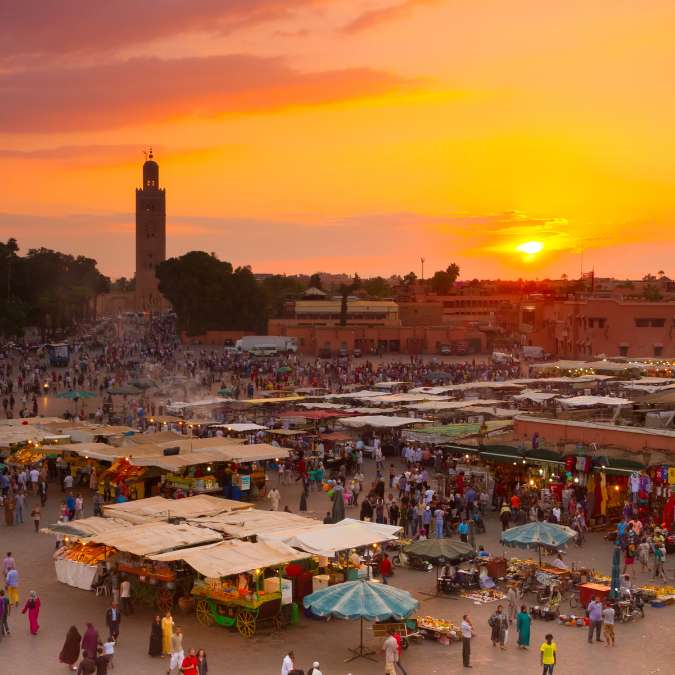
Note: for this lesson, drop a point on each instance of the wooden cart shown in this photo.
(241, 613)
(156, 589)
(407, 629)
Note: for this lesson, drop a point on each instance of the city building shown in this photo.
(593, 326)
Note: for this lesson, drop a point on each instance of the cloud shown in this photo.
(150, 90)
(60, 27)
(375, 17)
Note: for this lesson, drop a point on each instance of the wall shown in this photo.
(215, 338)
(628, 438)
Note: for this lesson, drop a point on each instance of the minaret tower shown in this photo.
(150, 237)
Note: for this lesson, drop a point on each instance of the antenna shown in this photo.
(422, 261)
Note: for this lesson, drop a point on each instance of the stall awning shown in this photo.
(380, 421)
(584, 401)
(327, 540)
(252, 522)
(257, 452)
(160, 508)
(233, 557)
(239, 427)
(86, 527)
(153, 538)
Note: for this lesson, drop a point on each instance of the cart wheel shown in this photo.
(245, 623)
(405, 643)
(204, 615)
(164, 599)
(396, 560)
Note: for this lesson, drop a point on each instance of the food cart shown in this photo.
(154, 583)
(242, 585)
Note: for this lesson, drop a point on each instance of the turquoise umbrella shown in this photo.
(361, 600)
(538, 535)
(74, 394)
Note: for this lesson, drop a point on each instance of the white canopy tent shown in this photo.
(380, 421)
(587, 401)
(327, 540)
(535, 396)
(233, 557)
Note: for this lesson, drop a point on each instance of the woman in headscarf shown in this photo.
(338, 512)
(90, 641)
(155, 648)
(71, 648)
(167, 632)
(32, 606)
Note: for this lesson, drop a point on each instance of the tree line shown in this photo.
(46, 289)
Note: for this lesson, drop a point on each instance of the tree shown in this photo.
(345, 291)
(208, 294)
(278, 289)
(376, 287)
(410, 279)
(123, 285)
(443, 281)
(315, 281)
(652, 293)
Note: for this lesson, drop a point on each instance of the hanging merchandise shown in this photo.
(671, 475)
(634, 482)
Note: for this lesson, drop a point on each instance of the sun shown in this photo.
(530, 247)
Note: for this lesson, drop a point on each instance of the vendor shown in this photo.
(559, 562)
(482, 553)
(355, 559)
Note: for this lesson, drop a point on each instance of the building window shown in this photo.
(650, 323)
(658, 350)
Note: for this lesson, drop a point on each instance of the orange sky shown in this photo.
(346, 135)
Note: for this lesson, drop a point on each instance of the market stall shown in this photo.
(242, 584)
(153, 582)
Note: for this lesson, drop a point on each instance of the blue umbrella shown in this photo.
(361, 599)
(538, 535)
(616, 573)
(74, 394)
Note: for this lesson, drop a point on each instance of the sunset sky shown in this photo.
(346, 135)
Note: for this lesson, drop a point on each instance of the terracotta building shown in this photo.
(592, 326)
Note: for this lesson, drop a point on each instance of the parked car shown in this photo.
(356, 352)
(445, 350)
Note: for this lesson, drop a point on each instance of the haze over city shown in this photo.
(312, 135)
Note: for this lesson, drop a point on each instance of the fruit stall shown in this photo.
(241, 584)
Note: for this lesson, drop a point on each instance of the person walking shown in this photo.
(499, 623)
(512, 597)
(12, 586)
(36, 515)
(288, 663)
(390, 649)
(177, 653)
(189, 664)
(125, 597)
(70, 652)
(32, 606)
(595, 617)
(275, 497)
(90, 641)
(202, 663)
(608, 615)
(155, 646)
(4, 614)
(549, 655)
(19, 507)
(385, 568)
(467, 634)
(167, 632)
(523, 623)
(113, 618)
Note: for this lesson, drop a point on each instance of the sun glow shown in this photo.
(530, 247)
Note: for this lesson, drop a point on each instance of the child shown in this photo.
(548, 651)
